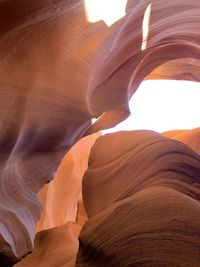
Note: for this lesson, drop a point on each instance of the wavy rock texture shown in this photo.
(55, 247)
(63, 214)
(189, 137)
(142, 201)
(57, 71)
(66, 235)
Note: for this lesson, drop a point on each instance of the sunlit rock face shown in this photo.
(58, 71)
(61, 197)
(142, 200)
(189, 137)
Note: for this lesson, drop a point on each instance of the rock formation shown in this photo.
(57, 72)
(142, 201)
(54, 247)
(66, 234)
(189, 137)
(61, 197)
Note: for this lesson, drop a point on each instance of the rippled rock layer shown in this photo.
(58, 71)
(143, 203)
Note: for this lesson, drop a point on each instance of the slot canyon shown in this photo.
(70, 195)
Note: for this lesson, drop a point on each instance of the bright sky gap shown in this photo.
(109, 11)
(161, 105)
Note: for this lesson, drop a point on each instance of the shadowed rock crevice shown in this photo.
(7, 257)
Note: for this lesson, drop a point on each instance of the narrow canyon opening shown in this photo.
(163, 105)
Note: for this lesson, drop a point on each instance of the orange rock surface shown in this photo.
(189, 137)
(57, 72)
(54, 247)
(60, 198)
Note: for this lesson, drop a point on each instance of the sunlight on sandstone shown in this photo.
(109, 11)
(145, 27)
(93, 120)
(160, 106)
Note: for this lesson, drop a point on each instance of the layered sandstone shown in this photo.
(189, 137)
(142, 201)
(57, 72)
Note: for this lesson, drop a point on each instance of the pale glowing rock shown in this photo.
(60, 198)
(145, 27)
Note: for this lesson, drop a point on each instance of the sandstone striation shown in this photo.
(63, 214)
(57, 72)
(142, 201)
(189, 137)
(54, 247)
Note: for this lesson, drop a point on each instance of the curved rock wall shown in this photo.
(142, 201)
(62, 241)
(61, 197)
(54, 247)
(189, 137)
(58, 71)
